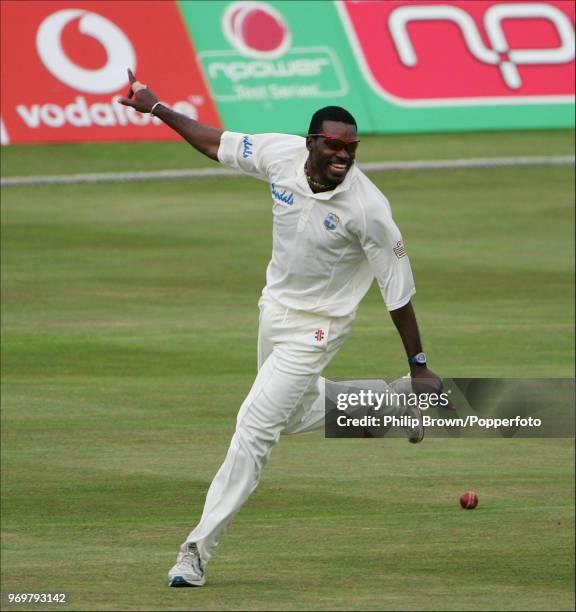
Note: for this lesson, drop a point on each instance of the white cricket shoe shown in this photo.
(188, 571)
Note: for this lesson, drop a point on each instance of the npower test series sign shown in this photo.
(64, 65)
(263, 63)
(269, 65)
(399, 66)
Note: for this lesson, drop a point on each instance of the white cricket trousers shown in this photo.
(286, 397)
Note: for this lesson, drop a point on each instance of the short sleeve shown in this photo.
(384, 249)
(252, 154)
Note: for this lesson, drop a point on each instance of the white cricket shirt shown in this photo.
(327, 247)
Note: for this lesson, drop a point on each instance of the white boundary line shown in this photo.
(203, 173)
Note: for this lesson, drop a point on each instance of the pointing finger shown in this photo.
(131, 78)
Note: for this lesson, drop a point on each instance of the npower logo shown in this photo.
(501, 54)
(465, 50)
(256, 30)
(119, 51)
(261, 61)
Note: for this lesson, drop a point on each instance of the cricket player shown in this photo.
(333, 233)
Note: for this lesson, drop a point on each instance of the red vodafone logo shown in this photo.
(430, 53)
(256, 29)
(117, 46)
(64, 64)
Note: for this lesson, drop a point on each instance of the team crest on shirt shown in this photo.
(331, 221)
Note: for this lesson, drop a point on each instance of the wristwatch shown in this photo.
(419, 359)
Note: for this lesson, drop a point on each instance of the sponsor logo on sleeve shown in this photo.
(246, 147)
(284, 196)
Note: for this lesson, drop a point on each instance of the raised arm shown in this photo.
(203, 138)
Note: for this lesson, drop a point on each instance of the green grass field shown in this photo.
(129, 326)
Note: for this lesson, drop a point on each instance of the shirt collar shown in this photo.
(322, 195)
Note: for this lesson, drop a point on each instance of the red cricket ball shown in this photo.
(469, 500)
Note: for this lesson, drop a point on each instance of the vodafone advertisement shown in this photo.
(266, 65)
(64, 64)
(463, 51)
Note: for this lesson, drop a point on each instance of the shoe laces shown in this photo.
(191, 558)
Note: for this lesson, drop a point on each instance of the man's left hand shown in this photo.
(424, 380)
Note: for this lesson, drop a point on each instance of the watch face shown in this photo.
(420, 358)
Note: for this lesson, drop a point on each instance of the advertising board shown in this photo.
(270, 65)
(267, 65)
(463, 65)
(64, 64)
